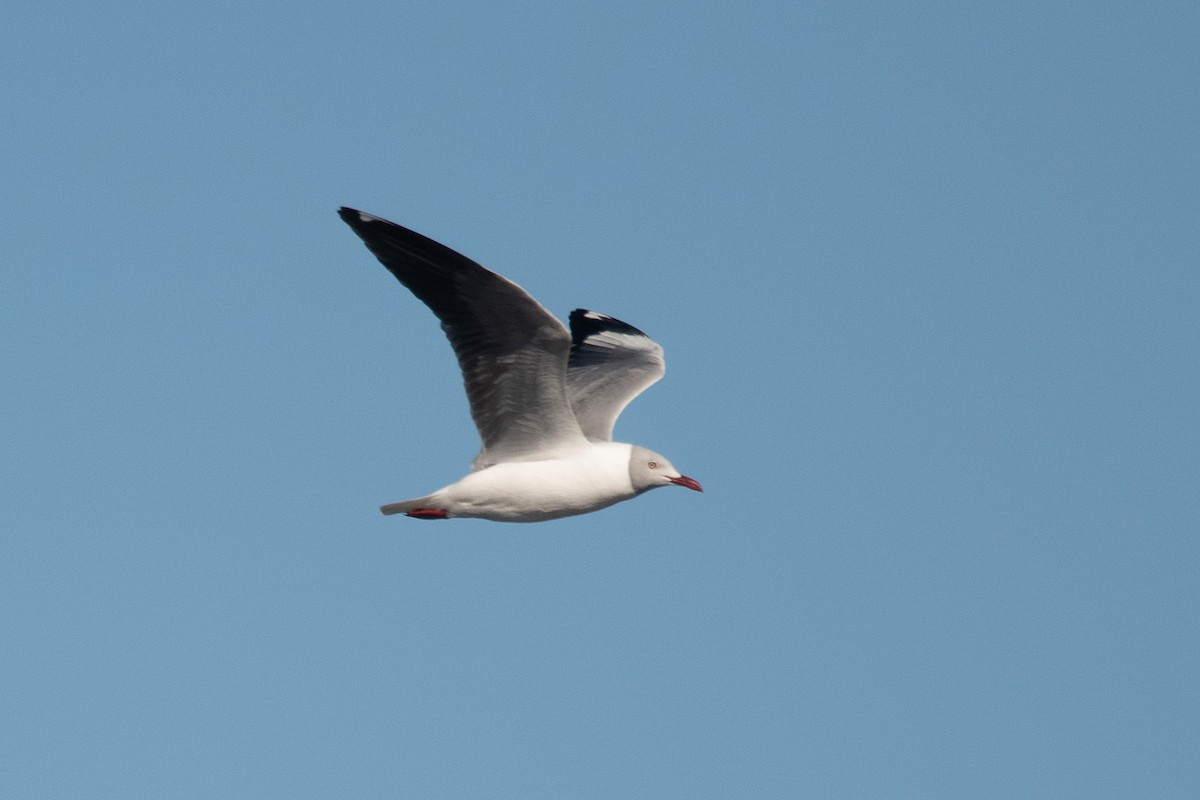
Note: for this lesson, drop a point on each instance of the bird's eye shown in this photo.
(652, 464)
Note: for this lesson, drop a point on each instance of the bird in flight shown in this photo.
(544, 399)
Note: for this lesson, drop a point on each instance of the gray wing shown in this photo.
(513, 353)
(611, 363)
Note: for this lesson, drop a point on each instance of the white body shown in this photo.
(587, 479)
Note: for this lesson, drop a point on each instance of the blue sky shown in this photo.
(926, 275)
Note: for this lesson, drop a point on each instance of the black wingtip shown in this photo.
(355, 218)
(372, 229)
(586, 323)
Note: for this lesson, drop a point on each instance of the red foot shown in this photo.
(427, 513)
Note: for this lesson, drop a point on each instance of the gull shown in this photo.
(544, 399)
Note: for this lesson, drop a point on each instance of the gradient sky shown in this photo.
(927, 279)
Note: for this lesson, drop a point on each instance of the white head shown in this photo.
(648, 470)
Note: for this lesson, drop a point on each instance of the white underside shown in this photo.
(588, 479)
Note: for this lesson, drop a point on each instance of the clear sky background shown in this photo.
(928, 278)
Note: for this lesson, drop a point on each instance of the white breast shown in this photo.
(530, 491)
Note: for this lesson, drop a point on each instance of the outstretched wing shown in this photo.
(513, 353)
(611, 363)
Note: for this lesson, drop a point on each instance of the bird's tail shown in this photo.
(427, 504)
